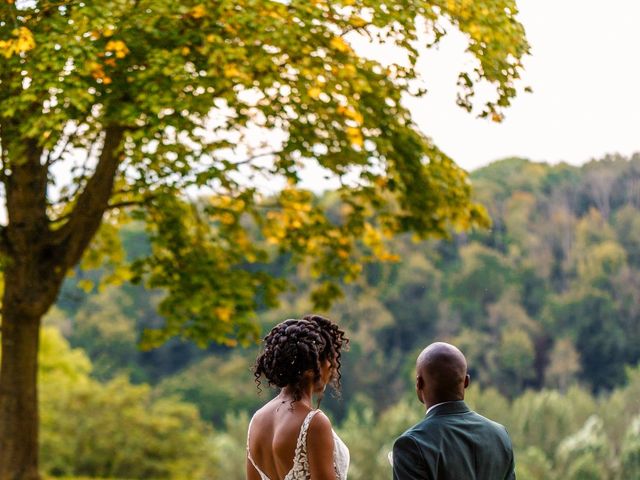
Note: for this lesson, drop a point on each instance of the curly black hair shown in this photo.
(297, 345)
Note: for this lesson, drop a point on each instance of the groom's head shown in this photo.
(441, 374)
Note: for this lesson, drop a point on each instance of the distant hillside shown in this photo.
(548, 297)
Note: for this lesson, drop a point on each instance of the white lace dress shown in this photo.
(300, 469)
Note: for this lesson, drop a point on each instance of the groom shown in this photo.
(452, 442)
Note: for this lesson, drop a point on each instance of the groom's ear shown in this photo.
(467, 379)
(419, 387)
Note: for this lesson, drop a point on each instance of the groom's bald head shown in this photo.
(441, 374)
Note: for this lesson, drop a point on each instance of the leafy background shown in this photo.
(545, 305)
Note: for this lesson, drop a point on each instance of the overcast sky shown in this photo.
(585, 73)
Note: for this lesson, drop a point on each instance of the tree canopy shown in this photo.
(140, 102)
(123, 109)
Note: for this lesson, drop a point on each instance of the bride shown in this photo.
(288, 439)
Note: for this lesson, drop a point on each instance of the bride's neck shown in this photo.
(306, 394)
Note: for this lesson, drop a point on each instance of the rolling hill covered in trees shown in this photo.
(545, 304)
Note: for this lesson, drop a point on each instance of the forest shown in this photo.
(545, 304)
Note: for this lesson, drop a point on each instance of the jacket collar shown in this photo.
(449, 408)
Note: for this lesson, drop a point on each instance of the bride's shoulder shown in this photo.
(259, 416)
(319, 439)
(320, 424)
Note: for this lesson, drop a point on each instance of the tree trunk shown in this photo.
(31, 287)
(19, 395)
(27, 296)
(36, 263)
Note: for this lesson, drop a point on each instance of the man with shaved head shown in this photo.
(452, 442)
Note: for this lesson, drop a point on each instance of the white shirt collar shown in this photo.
(437, 405)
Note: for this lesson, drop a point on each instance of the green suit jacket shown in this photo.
(454, 443)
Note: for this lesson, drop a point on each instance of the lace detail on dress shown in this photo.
(300, 469)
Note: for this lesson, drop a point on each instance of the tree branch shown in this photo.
(50, 159)
(130, 203)
(112, 206)
(4, 241)
(4, 159)
(255, 157)
(84, 220)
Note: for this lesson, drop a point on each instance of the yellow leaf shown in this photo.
(97, 72)
(270, 13)
(22, 43)
(230, 28)
(198, 11)
(117, 47)
(85, 285)
(223, 313)
(388, 257)
(339, 44)
(343, 254)
(230, 70)
(227, 218)
(357, 21)
(351, 113)
(371, 237)
(314, 92)
(355, 136)
(348, 71)
(5, 47)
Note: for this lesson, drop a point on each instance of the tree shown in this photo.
(471, 289)
(142, 102)
(631, 450)
(113, 430)
(564, 364)
(218, 386)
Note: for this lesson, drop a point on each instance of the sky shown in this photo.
(585, 74)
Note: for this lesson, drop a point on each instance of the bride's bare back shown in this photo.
(273, 437)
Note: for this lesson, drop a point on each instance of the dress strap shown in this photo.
(249, 432)
(302, 436)
(301, 445)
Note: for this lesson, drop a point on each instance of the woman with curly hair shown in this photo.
(289, 439)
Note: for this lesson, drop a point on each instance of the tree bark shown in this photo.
(19, 395)
(31, 287)
(23, 305)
